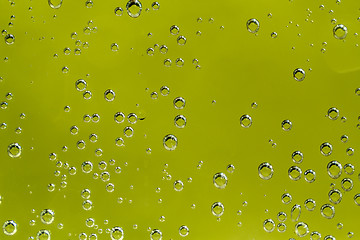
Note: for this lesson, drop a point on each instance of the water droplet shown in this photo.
(220, 180)
(327, 211)
(89, 4)
(14, 150)
(119, 117)
(179, 103)
(299, 74)
(340, 31)
(217, 209)
(344, 138)
(114, 47)
(150, 51)
(87, 205)
(134, 8)
(274, 35)
(180, 121)
(281, 216)
(87, 167)
(297, 157)
(87, 95)
(174, 30)
(347, 184)
(230, 168)
(167, 62)
(164, 90)
(265, 171)
(350, 151)
(128, 131)
(253, 25)
(245, 121)
(315, 236)
(281, 227)
(179, 62)
(178, 185)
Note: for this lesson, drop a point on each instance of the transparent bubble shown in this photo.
(217, 209)
(90, 222)
(286, 125)
(340, 31)
(350, 151)
(269, 225)
(327, 211)
(10, 227)
(174, 30)
(67, 51)
(117, 233)
(183, 231)
(326, 149)
(134, 8)
(155, 5)
(109, 95)
(87, 95)
(181, 40)
(299, 74)
(167, 62)
(333, 113)
(281, 216)
(180, 121)
(335, 196)
(132, 118)
(89, 4)
(87, 167)
(344, 138)
(334, 169)
(114, 47)
(253, 25)
(156, 234)
(347, 184)
(47, 216)
(281, 227)
(14, 150)
(51, 187)
(150, 51)
(118, 11)
(81, 144)
(295, 213)
(105, 176)
(55, 4)
(110, 187)
(357, 91)
(179, 103)
(274, 35)
(230, 168)
(220, 180)
(310, 175)
(349, 168)
(85, 193)
(315, 236)
(128, 131)
(119, 142)
(286, 198)
(119, 117)
(265, 171)
(9, 39)
(178, 185)
(164, 90)
(301, 229)
(350, 234)
(297, 157)
(87, 205)
(294, 173)
(74, 130)
(179, 62)
(43, 235)
(245, 121)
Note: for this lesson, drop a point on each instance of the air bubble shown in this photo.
(117, 233)
(301, 229)
(286, 198)
(335, 196)
(217, 209)
(340, 31)
(220, 180)
(295, 213)
(174, 30)
(55, 4)
(180, 121)
(347, 184)
(43, 235)
(118, 11)
(297, 157)
(181, 40)
(10, 227)
(119, 117)
(334, 169)
(134, 8)
(14, 150)
(253, 25)
(299, 74)
(327, 211)
(245, 121)
(109, 95)
(326, 149)
(333, 113)
(310, 204)
(269, 225)
(265, 171)
(128, 131)
(310, 175)
(286, 125)
(47, 216)
(183, 231)
(179, 103)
